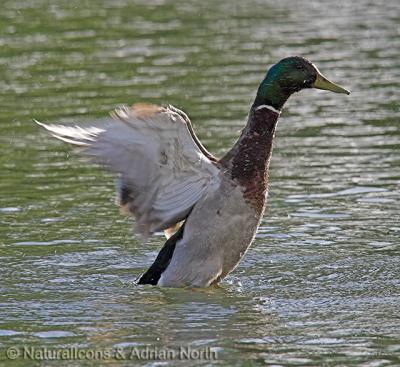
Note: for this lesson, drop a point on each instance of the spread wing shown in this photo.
(163, 171)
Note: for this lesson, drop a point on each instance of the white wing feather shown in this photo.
(162, 169)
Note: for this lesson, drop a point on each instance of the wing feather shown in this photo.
(163, 168)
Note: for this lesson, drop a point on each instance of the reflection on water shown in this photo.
(320, 283)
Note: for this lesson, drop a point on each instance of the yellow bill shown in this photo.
(323, 83)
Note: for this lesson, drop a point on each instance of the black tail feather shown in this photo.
(153, 274)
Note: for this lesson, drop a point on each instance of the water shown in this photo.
(319, 286)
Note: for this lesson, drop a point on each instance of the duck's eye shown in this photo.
(300, 67)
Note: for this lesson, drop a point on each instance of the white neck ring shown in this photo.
(269, 107)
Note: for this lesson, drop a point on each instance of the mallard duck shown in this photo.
(209, 208)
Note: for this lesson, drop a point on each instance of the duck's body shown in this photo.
(216, 235)
(222, 224)
(167, 177)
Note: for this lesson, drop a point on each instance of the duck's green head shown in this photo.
(291, 75)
